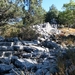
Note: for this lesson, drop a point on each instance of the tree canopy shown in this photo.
(28, 10)
(31, 12)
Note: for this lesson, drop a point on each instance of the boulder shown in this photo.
(6, 43)
(1, 39)
(39, 72)
(25, 55)
(43, 55)
(25, 63)
(10, 74)
(45, 29)
(18, 46)
(54, 69)
(6, 48)
(28, 43)
(5, 60)
(28, 49)
(39, 65)
(16, 71)
(11, 39)
(18, 43)
(48, 73)
(3, 48)
(13, 59)
(8, 53)
(50, 44)
(38, 48)
(15, 39)
(5, 68)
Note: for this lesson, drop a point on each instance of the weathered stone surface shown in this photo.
(50, 44)
(39, 72)
(26, 63)
(1, 39)
(28, 43)
(28, 49)
(18, 45)
(46, 29)
(6, 43)
(5, 68)
(25, 55)
(14, 58)
(5, 60)
(6, 48)
(11, 39)
(16, 71)
(48, 73)
(10, 74)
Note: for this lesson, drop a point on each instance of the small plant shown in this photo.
(61, 62)
(28, 34)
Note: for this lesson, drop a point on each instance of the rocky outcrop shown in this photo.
(45, 29)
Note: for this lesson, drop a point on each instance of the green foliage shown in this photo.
(51, 14)
(20, 31)
(66, 17)
(10, 31)
(68, 13)
(34, 13)
(9, 9)
(27, 34)
(29, 10)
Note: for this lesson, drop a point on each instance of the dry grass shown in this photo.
(71, 55)
(67, 31)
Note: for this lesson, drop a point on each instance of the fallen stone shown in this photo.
(5, 68)
(24, 55)
(5, 60)
(25, 63)
(6, 48)
(48, 73)
(6, 43)
(39, 72)
(50, 44)
(28, 43)
(10, 74)
(1, 39)
(28, 49)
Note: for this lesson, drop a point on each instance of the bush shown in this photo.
(9, 31)
(23, 32)
(71, 55)
(28, 34)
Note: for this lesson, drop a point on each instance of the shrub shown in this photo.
(71, 55)
(23, 32)
(10, 31)
(28, 34)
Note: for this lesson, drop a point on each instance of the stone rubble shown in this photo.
(37, 57)
(28, 55)
(45, 29)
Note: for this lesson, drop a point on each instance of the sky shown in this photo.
(58, 4)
